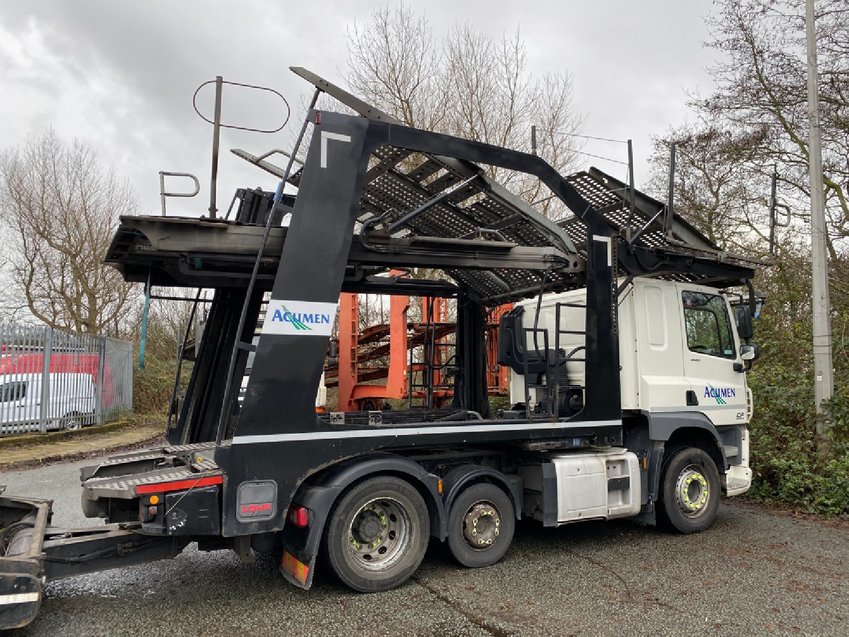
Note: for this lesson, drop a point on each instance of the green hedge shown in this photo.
(152, 386)
(790, 465)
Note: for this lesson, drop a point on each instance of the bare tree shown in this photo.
(761, 88)
(470, 85)
(168, 319)
(393, 63)
(61, 208)
(721, 185)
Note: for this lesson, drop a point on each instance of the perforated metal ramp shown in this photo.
(399, 181)
(427, 210)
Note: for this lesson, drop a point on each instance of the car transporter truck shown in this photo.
(626, 348)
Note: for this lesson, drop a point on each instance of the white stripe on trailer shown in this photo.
(420, 431)
(18, 598)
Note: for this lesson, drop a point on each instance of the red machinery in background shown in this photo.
(403, 359)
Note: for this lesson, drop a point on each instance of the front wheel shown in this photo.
(481, 525)
(690, 489)
(378, 534)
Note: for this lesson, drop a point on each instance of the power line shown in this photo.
(601, 139)
(580, 152)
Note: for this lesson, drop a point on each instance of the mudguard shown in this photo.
(321, 495)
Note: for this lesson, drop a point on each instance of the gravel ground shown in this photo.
(756, 572)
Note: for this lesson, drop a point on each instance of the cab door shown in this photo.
(711, 353)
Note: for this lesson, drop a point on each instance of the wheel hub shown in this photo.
(692, 491)
(378, 534)
(367, 527)
(481, 525)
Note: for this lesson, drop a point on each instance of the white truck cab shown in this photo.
(680, 356)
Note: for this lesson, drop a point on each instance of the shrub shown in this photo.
(152, 386)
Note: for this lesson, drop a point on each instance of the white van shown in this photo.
(70, 402)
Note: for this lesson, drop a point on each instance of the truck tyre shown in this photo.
(690, 489)
(481, 525)
(378, 534)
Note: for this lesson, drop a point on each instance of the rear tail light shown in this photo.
(299, 516)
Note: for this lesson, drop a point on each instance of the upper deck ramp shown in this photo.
(432, 210)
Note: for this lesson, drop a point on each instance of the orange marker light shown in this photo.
(154, 499)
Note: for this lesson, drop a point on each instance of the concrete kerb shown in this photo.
(35, 438)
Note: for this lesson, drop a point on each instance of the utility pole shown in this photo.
(823, 370)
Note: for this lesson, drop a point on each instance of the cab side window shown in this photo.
(708, 324)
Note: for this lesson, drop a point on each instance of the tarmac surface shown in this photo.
(756, 572)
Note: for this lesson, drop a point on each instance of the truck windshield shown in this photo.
(708, 325)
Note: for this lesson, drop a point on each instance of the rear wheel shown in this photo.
(378, 534)
(481, 525)
(690, 489)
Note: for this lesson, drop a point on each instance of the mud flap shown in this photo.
(295, 571)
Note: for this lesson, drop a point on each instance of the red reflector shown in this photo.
(178, 485)
(299, 516)
(318, 117)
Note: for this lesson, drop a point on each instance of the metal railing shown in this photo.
(51, 379)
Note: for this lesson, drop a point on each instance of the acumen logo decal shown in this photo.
(296, 317)
(720, 393)
(300, 320)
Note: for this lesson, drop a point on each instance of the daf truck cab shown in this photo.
(682, 362)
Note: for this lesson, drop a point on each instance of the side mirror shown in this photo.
(749, 352)
(744, 322)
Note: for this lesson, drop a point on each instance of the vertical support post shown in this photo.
(216, 135)
(349, 329)
(126, 378)
(162, 191)
(43, 408)
(98, 395)
(631, 193)
(145, 312)
(427, 351)
(396, 380)
(667, 221)
(772, 202)
(533, 140)
(823, 372)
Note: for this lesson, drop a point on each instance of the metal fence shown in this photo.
(50, 379)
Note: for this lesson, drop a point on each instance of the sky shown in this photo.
(120, 75)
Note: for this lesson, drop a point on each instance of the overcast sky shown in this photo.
(120, 74)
